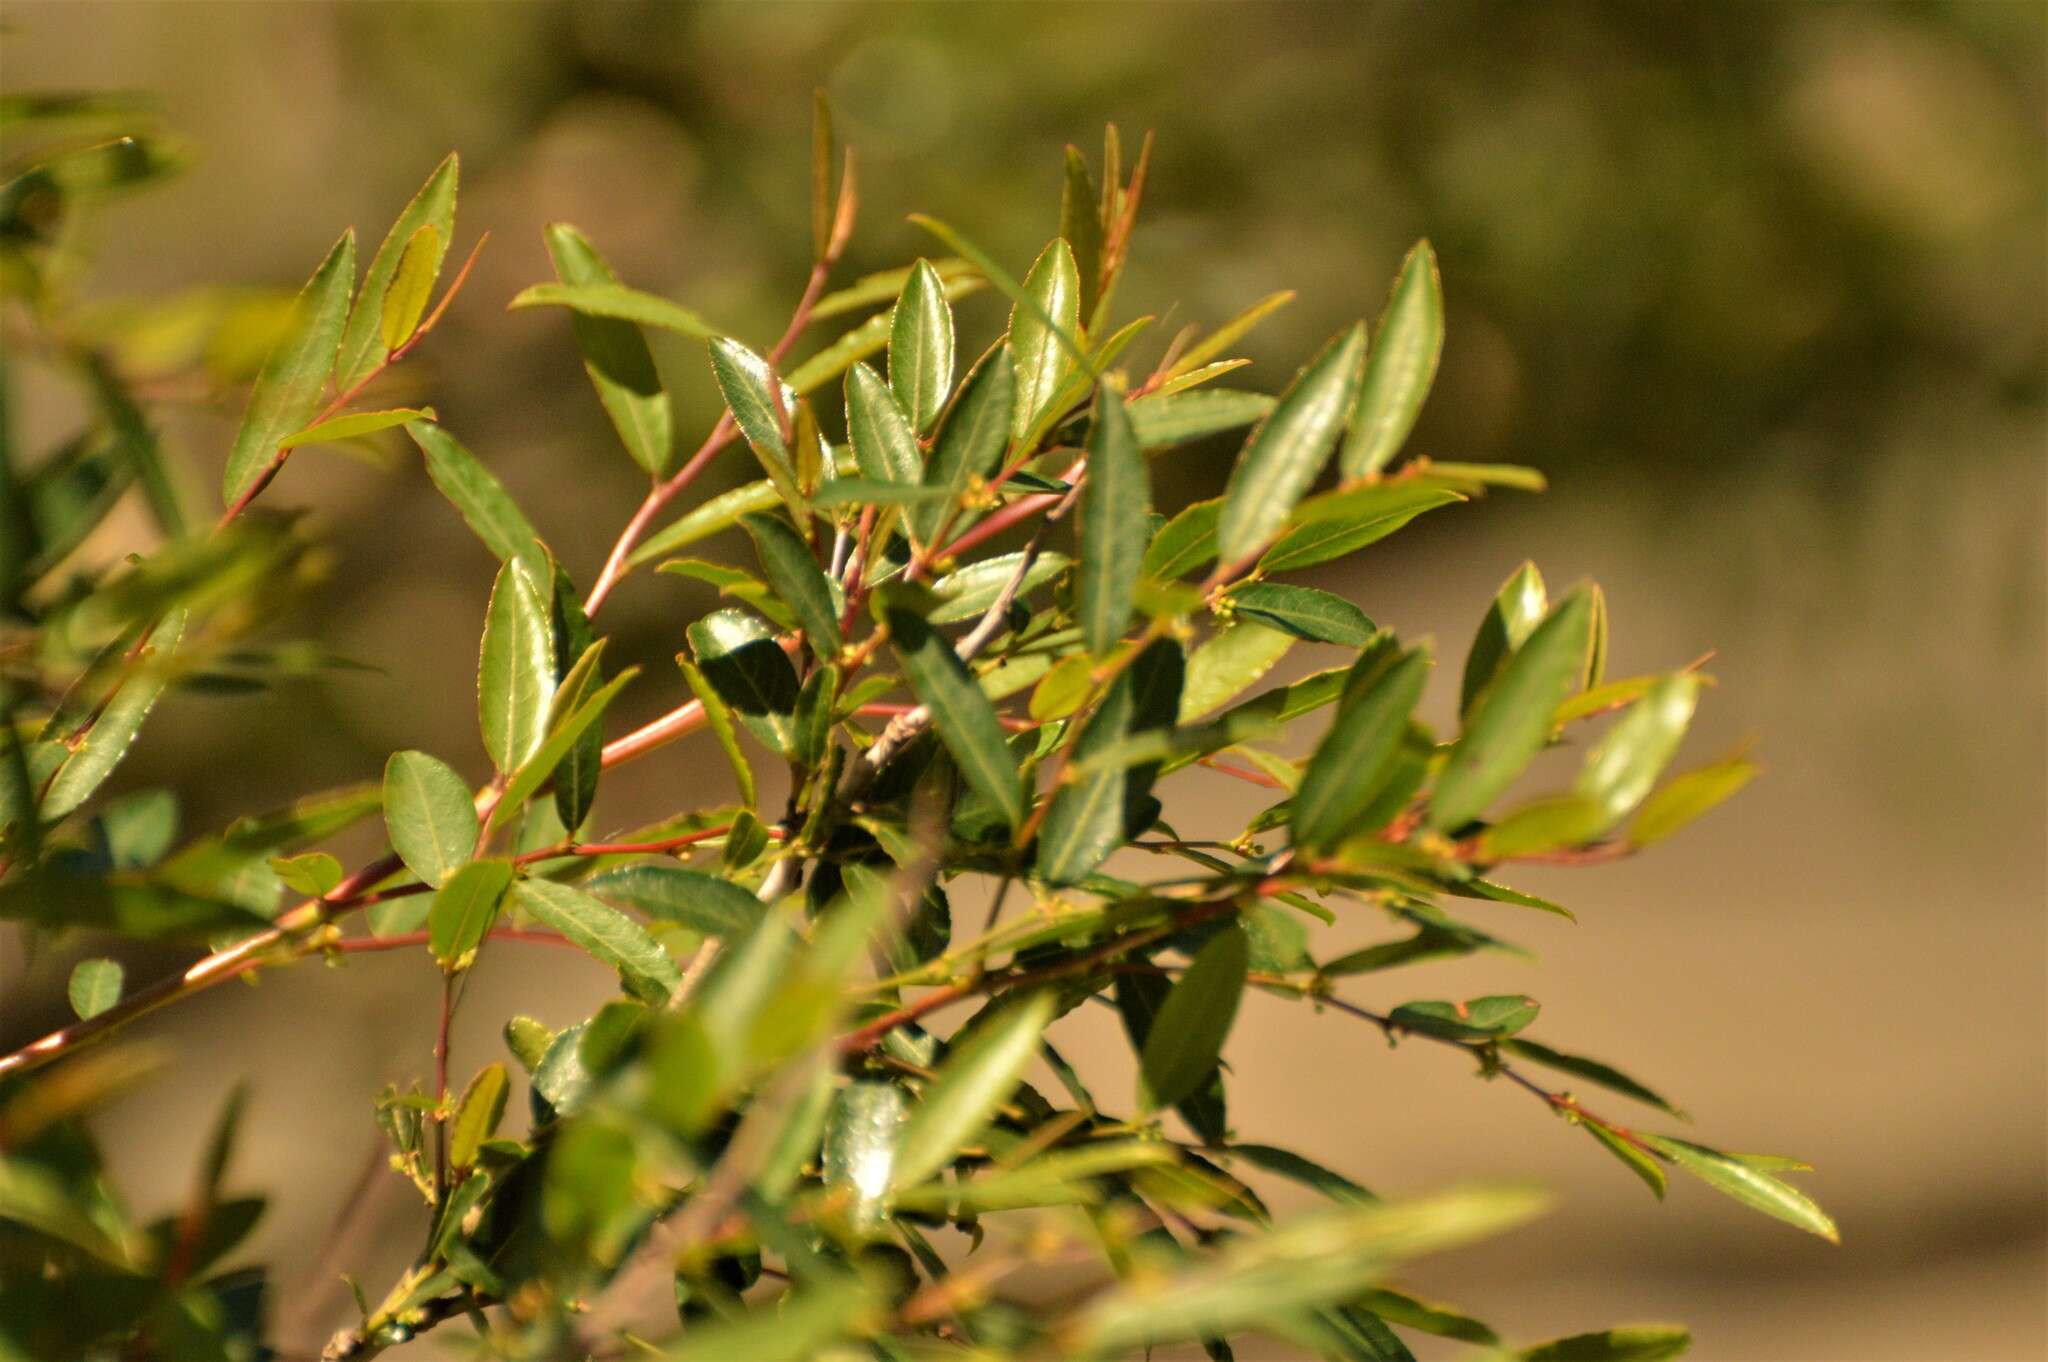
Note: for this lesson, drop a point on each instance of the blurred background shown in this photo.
(1762, 289)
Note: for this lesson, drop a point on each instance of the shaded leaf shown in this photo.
(1163, 420)
(793, 571)
(1346, 521)
(1187, 542)
(740, 658)
(1092, 817)
(718, 717)
(962, 715)
(971, 440)
(1490, 1018)
(1632, 1158)
(50, 898)
(1303, 611)
(1591, 1070)
(1187, 1036)
(605, 933)
(690, 898)
(1352, 763)
(967, 592)
(1629, 1343)
(616, 357)
(1113, 511)
(107, 742)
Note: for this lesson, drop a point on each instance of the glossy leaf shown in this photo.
(1511, 719)
(1040, 334)
(1347, 521)
(1629, 1343)
(1751, 1186)
(574, 714)
(477, 1115)
(718, 717)
(1632, 1158)
(961, 714)
(429, 815)
(465, 909)
(1114, 506)
(967, 592)
(1355, 757)
(354, 426)
(363, 346)
(884, 444)
(486, 507)
(1688, 796)
(971, 440)
(1289, 448)
(689, 898)
(921, 346)
(1402, 366)
(793, 571)
(1303, 611)
(1620, 771)
(1230, 663)
(618, 303)
(95, 986)
(603, 932)
(616, 357)
(287, 392)
(1518, 607)
(740, 658)
(1092, 817)
(859, 1151)
(1163, 420)
(1187, 1036)
(759, 411)
(515, 667)
(978, 1076)
(405, 299)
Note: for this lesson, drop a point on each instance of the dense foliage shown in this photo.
(968, 656)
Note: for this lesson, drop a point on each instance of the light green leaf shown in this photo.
(1289, 448)
(353, 425)
(616, 357)
(1212, 346)
(313, 874)
(719, 513)
(1632, 1158)
(965, 721)
(1163, 420)
(120, 721)
(1402, 366)
(1476, 1019)
(478, 1114)
(978, 1076)
(465, 908)
(883, 442)
(793, 571)
(1620, 771)
(690, 898)
(1354, 759)
(486, 507)
(605, 933)
(740, 658)
(966, 593)
(574, 712)
(1187, 542)
(1228, 664)
(1041, 334)
(1511, 719)
(1518, 607)
(405, 300)
(921, 346)
(1343, 522)
(1541, 826)
(619, 303)
(1747, 1184)
(362, 344)
(1690, 795)
(1629, 1343)
(1113, 511)
(287, 392)
(1303, 611)
(719, 716)
(859, 1150)
(95, 986)
(1186, 1038)
(971, 440)
(429, 814)
(1092, 817)
(515, 667)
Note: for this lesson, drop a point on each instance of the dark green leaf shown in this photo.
(971, 440)
(287, 392)
(573, 714)
(977, 1076)
(1489, 1018)
(883, 442)
(1545, 825)
(1307, 1172)
(1399, 1307)
(1591, 1070)
(1629, 1343)
(1188, 1035)
(53, 899)
(1081, 229)
(962, 715)
(485, 505)
(744, 380)
(741, 660)
(1092, 817)
(1754, 1188)
(465, 909)
(719, 717)
(1632, 1158)
(1517, 609)
(616, 357)
(95, 986)
(1187, 542)
(1113, 511)
(1354, 759)
(119, 722)
(921, 346)
(1304, 612)
(1344, 522)
(429, 814)
(605, 933)
(865, 492)
(1289, 448)
(1403, 365)
(691, 898)
(363, 346)
(1163, 420)
(793, 571)
(516, 666)
(619, 303)
(1228, 664)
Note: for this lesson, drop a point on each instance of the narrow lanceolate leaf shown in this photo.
(616, 357)
(53, 899)
(965, 721)
(95, 986)
(1081, 228)
(354, 426)
(486, 507)
(1042, 334)
(1354, 759)
(971, 440)
(1113, 511)
(1187, 1036)
(793, 571)
(362, 345)
(1592, 1070)
(719, 717)
(1690, 795)
(689, 898)
(605, 933)
(109, 739)
(1163, 420)
(1511, 720)
(287, 392)
(884, 444)
(921, 346)
(618, 303)
(1632, 1158)
(1518, 607)
(1092, 817)
(1187, 542)
(1289, 448)
(738, 656)
(1212, 346)
(1402, 366)
(976, 1078)
(405, 299)
(478, 1114)
(515, 667)
(1754, 1188)
(1620, 771)
(575, 712)
(465, 908)
(1304, 612)
(1629, 1343)
(1349, 520)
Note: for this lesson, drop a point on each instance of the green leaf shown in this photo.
(465, 909)
(1491, 1018)
(865, 492)
(1511, 719)
(864, 340)
(1632, 1158)
(1042, 331)
(478, 1114)
(120, 721)
(515, 667)
(744, 380)
(1228, 664)
(1187, 542)
(362, 346)
(605, 933)
(51, 898)
(313, 874)
(1303, 611)
(1688, 796)
(800, 1329)
(719, 717)
(859, 1151)
(1081, 228)
(429, 814)
(1541, 826)
(353, 425)
(95, 986)
(486, 507)
(1092, 817)
(1593, 1071)
(1629, 1343)
(1289, 448)
(741, 660)
(971, 439)
(287, 392)
(965, 721)
(1223, 337)
(921, 346)
(1163, 420)
(616, 357)
(883, 442)
(1187, 1036)
(405, 300)
(690, 898)
(1352, 763)
(966, 593)
(1517, 609)
(1307, 1172)
(618, 303)
(1754, 1188)
(978, 1076)
(1620, 771)
(1344, 522)
(564, 736)
(1402, 367)
(1113, 514)
(793, 571)
(718, 513)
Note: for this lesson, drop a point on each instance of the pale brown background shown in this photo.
(1762, 286)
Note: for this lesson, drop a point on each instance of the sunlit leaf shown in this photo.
(1289, 448)
(1113, 511)
(616, 357)
(1401, 368)
(464, 910)
(921, 346)
(977, 1076)
(287, 392)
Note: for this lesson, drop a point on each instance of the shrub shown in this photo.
(825, 1112)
